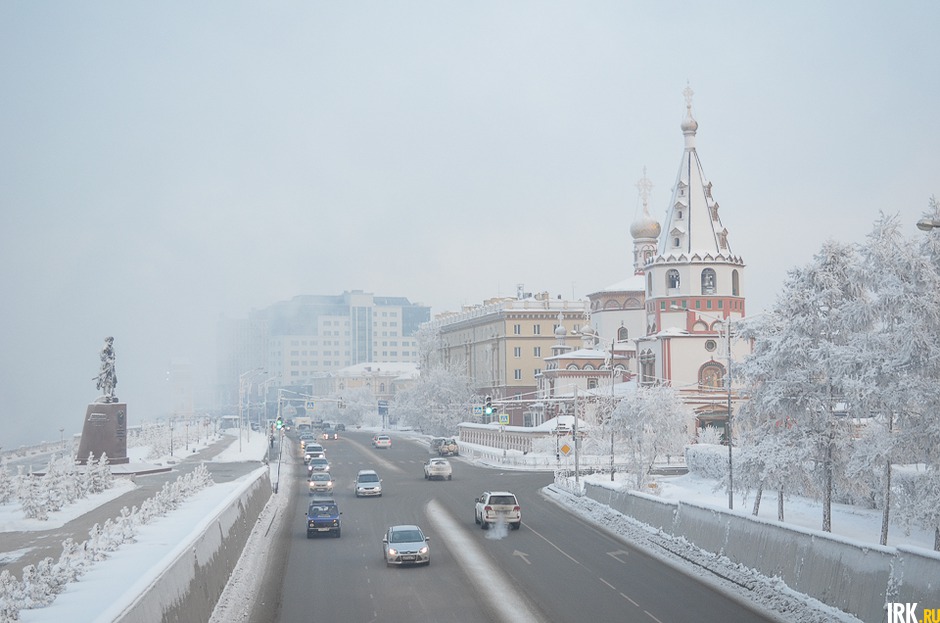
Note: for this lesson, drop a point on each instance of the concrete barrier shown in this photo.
(189, 588)
(853, 577)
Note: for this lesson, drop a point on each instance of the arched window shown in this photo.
(708, 281)
(381, 388)
(649, 284)
(592, 384)
(712, 374)
(734, 283)
(647, 368)
(672, 278)
(588, 366)
(572, 366)
(622, 334)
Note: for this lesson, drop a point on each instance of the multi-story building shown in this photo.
(503, 343)
(312, 336)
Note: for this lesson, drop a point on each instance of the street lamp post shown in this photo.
(926, 224)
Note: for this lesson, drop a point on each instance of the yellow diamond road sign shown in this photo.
(565, 449)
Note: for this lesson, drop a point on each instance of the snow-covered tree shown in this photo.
(798, 371)
(649, 423)
(437, 403)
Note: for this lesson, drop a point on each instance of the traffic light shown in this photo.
(488, 406)
(279, 423)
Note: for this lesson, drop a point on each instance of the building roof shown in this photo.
(399, 369)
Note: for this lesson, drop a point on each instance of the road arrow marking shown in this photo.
(523, 556)
(619, 552)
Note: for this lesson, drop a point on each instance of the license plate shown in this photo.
(323, 529)
(408, 558)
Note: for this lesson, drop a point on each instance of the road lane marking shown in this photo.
(615, 555)
(563, 552)
(619, 592)
(522, 555)
(492, 585)
(652, 617)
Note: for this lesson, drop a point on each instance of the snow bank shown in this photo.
(854, 577)
(190, 585)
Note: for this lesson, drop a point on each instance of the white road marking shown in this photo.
(491, 583)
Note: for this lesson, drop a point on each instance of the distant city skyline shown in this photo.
(160, 168)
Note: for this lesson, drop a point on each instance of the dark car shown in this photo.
(340, 427)
(323, 518)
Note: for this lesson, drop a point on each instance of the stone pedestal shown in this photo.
(105, 432)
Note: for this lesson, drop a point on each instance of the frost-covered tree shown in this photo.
(649, 423)
(797, 371)
(437, 403)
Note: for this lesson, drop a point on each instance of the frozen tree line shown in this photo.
(842, 385)
(41, 583)
(165, 440)
(63, 483)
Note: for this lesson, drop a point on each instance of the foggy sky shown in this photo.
(165, 163)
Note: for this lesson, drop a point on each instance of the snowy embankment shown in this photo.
(142, 577)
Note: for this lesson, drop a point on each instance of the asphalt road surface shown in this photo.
(556, 568)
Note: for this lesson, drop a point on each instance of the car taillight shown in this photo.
(487, 508)
(516, 508)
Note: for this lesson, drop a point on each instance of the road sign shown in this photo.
(504, 418)
(477, 409)
(565, 449)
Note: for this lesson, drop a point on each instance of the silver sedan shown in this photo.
(406, 545)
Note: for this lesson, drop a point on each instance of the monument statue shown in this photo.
(107, 378)
(105, 429)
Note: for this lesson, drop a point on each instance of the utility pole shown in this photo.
(574, 431)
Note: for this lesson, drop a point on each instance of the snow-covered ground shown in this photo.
(113, 583)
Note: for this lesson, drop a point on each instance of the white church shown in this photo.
(673, 320)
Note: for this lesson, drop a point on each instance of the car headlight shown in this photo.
(423, 550)
(392, 551)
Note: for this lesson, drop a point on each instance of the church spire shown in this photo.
(645, 229)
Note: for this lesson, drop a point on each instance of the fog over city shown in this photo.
(162, 165)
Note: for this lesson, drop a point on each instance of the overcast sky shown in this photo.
(164, 163)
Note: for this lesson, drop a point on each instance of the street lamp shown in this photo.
(926, 224)
(727, 322)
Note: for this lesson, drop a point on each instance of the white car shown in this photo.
(320, 482)
(497, 506)
(382, 441)
(438, 468)
(406, 545)
(318, 464)
(368, 483)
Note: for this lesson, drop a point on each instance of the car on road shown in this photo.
(323, 518)
(320, 482)
(368, 483)
(313, 451)
(448, 447)
(329, 433)
(438, 468)
(340, 427)
(406, 545)
(497, 506)
(434, 446)
(382, 441)
(305, 438)
(319, 464)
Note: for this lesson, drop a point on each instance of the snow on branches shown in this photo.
(42, 582)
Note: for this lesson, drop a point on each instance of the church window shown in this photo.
(622, 334)
(708, 281)
(676, 242)
(649, 285)
(679, 217)
(712, 374)
(672, 278)
(592, 383)
(734, 283)
(572, 366)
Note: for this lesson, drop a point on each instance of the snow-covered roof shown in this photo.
(398, 369)
(581, 353)
(633, 283)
